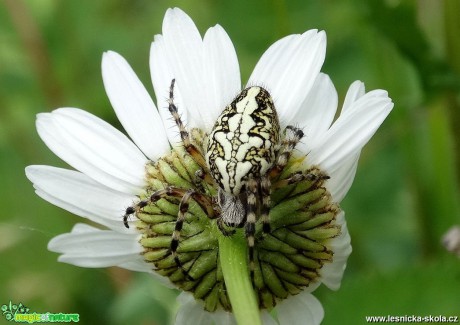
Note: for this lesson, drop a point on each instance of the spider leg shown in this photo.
(129, 211)
(285, 152)
(183, 209)
(201, 199)
(250, 226)
(198, 179)
(184, 134)
(265, 192)
(298, 177)
(225, 232)
(201, 175)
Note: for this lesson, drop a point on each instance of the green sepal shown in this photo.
(205, 286)
(278, 260)
(297, 241)
(321, 232)
(273, 282)
(171, 176)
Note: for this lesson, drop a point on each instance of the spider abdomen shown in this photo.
(243, 140)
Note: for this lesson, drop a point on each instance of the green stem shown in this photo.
(233, 260)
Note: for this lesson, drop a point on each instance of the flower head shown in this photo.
(173, 203)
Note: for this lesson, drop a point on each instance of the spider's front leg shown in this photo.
(287, 147)
(184, 134)
(171, 191)
(191, 148)
(184, 196)
(297, 177)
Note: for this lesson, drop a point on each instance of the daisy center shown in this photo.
(182, 244)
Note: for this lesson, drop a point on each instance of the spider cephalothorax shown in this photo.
(240, 157)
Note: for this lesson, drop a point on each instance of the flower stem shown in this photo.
(233, 260)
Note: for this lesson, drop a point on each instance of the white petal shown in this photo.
(317, 110)
(332, 273)
(90, 247)
(191, 312)
(342, 176)
(301, 309)
(162, 75)
(222, 317)
(184, 49)
(355, 91)
(134, 106)
(93, 147)
(87, 246)
(352, 130)
(266, 318)
(206, 71)
(138, 264)
(223, 79)
(79, 194)
(289, 68)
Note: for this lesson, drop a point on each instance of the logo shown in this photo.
(21, 314)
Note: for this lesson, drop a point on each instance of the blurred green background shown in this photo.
(404, 198)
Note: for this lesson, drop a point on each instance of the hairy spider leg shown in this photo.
(185, 137)
(265, 192)
(312, 175)
(223, 230)
(185, 196)
(172, 191)
(250, 226)
(288, 145)
(183, 209)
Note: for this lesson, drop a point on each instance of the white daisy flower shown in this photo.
(175, 233)
(451, 240)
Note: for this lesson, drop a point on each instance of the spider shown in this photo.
(242, 155)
